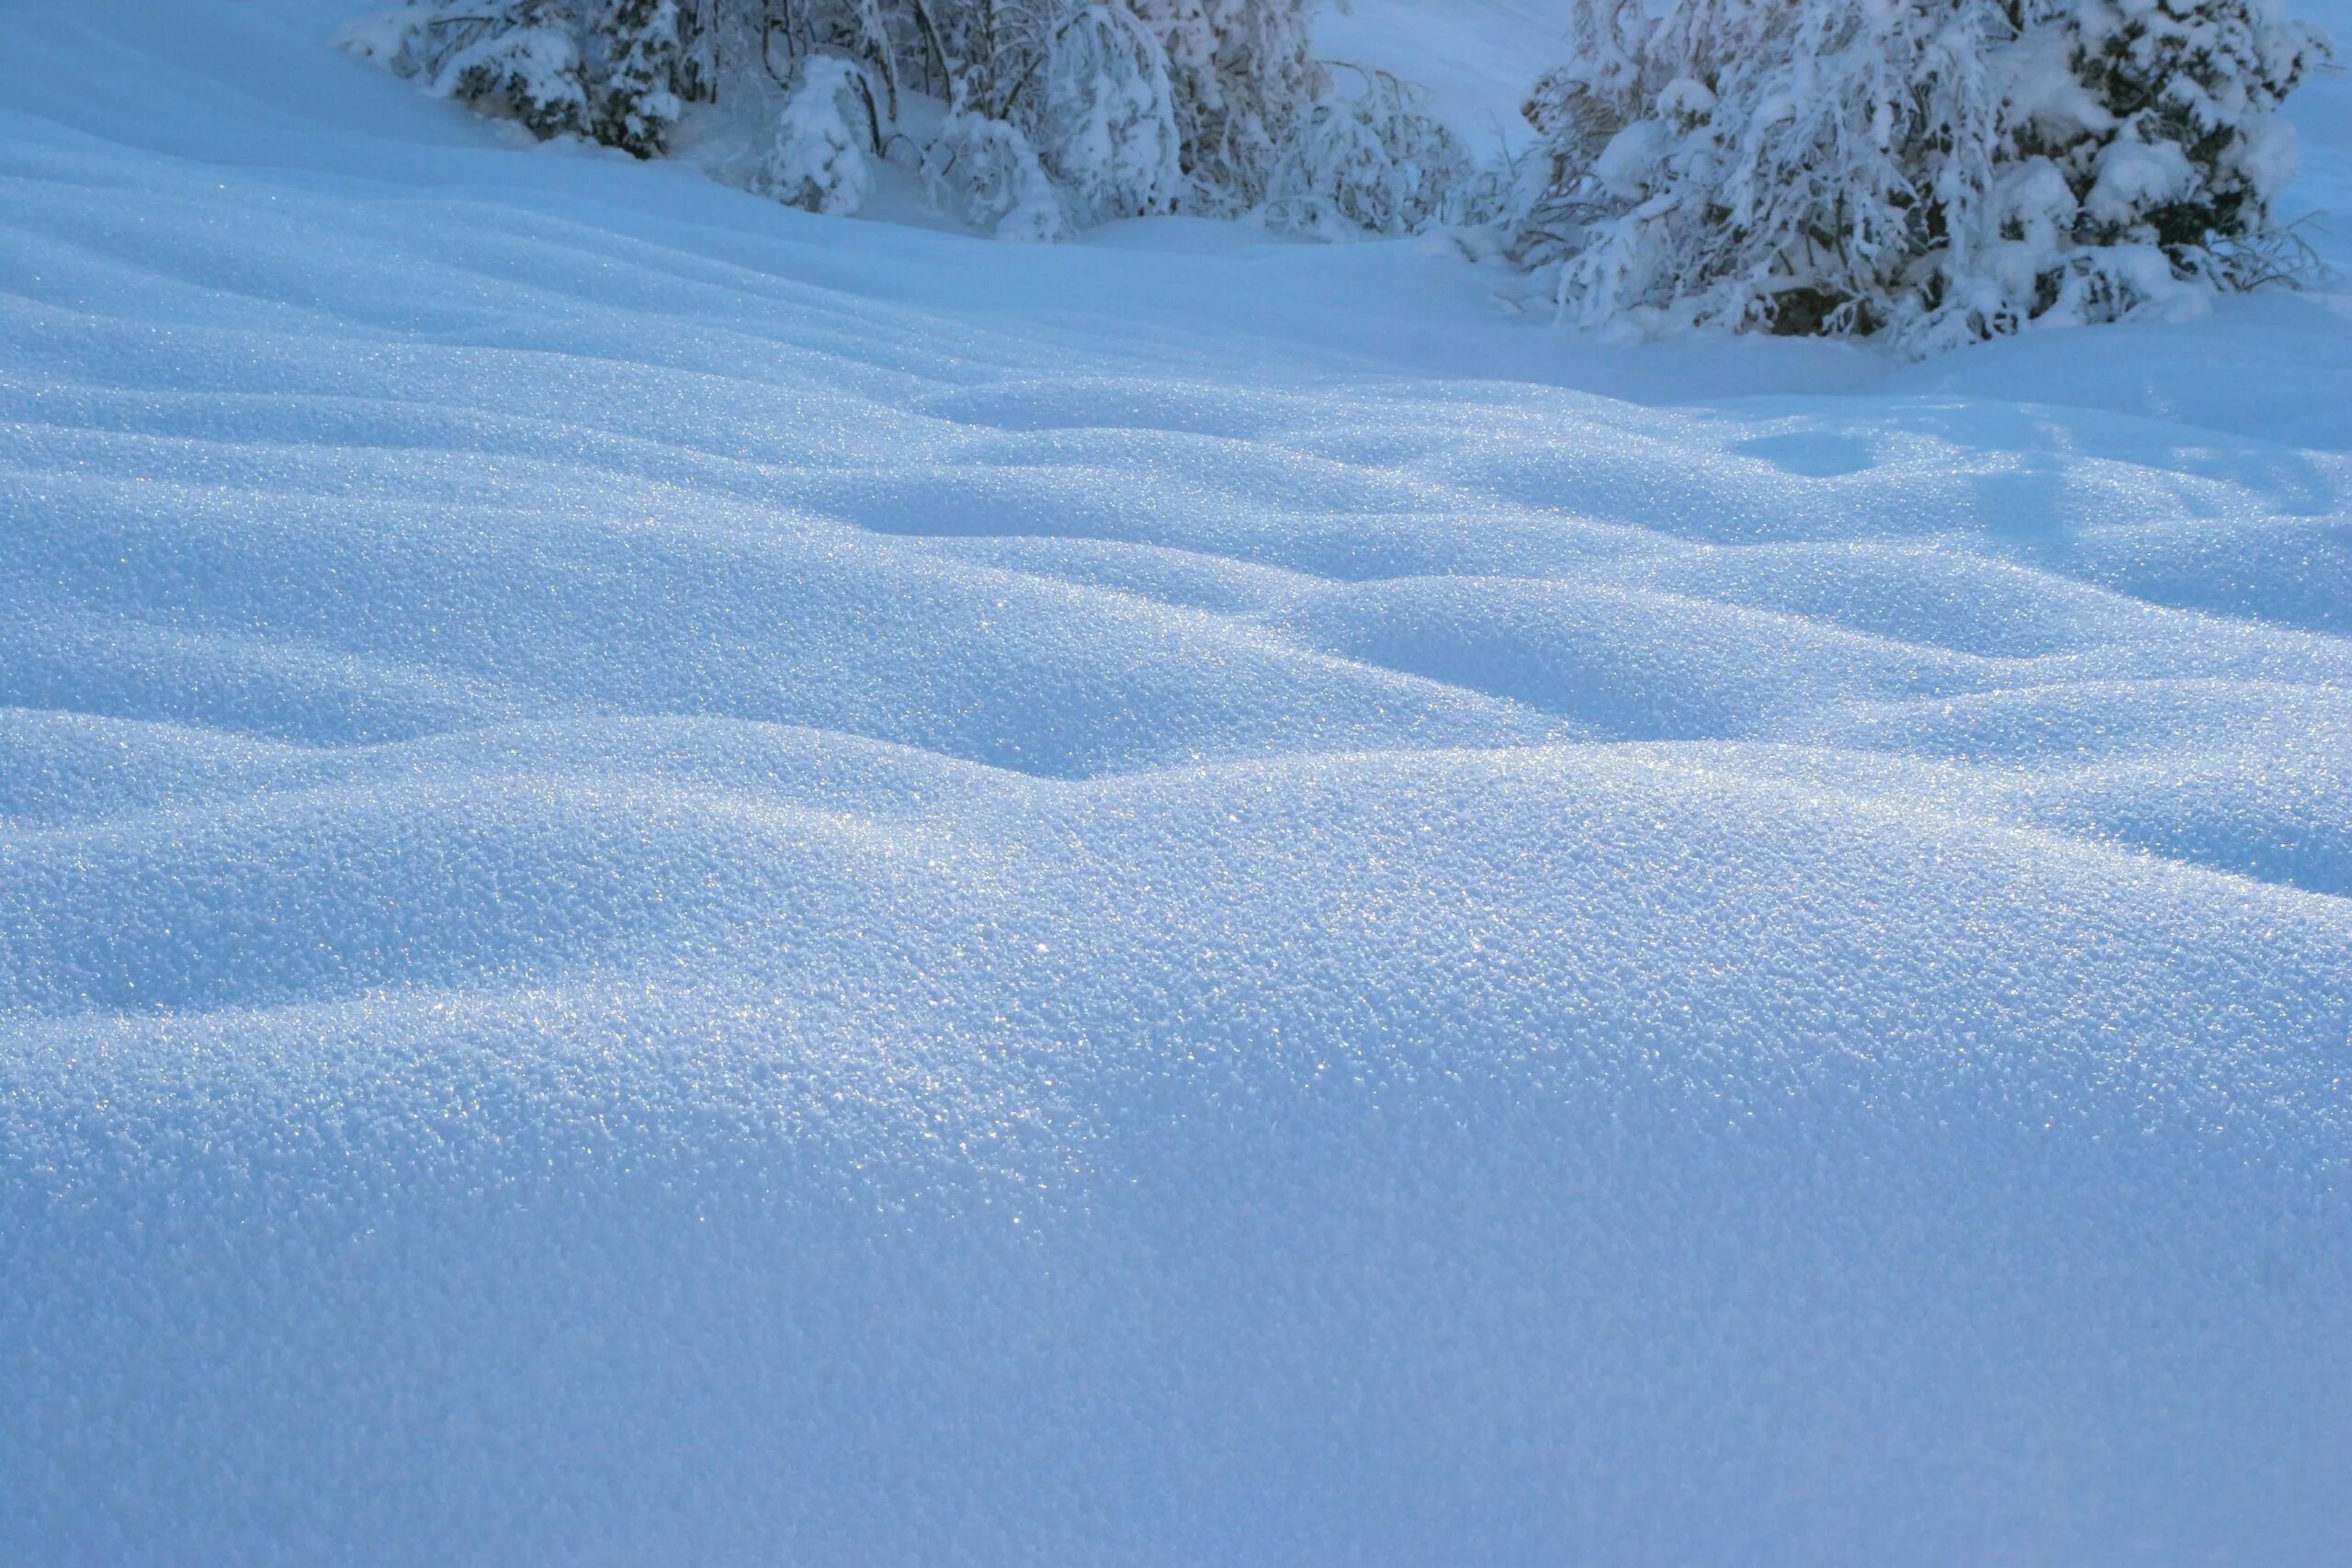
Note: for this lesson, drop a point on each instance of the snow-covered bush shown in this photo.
(1042, 115)
(518, 58)
(1937, 170)
(1372, 161)
(1245, 80)
(984, 172)
(1100, 108)
(819, 159)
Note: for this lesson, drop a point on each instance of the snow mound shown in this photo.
(681, 882)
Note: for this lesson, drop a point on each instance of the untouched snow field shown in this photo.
(683, 883)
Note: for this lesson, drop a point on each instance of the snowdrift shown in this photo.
(685, 883)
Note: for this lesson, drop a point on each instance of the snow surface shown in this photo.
(1473, 61)
(683, 883)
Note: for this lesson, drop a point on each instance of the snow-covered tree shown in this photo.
(1940, 170)
(518, 58)
(984, 172)
(1371, 161)
(788, 32)
(1245, 80)
(1045, 114)
(1100, 108)
(643, 44)
(819, 159)
(2186, 147)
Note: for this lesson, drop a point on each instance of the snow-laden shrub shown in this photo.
(1100, 108)
(1372, 161)
(516, 59)
(1245, 82)
(1937, 170)
(1121, 108)
(819, 160)
(984, 172)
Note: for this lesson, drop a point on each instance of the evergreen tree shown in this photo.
(1058, 113)
(2187, 153)
(520, 59)
(638, 98)
(1940, 170)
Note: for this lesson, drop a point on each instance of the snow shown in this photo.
(682, 882)
(2134, 174)
(1475, 59)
